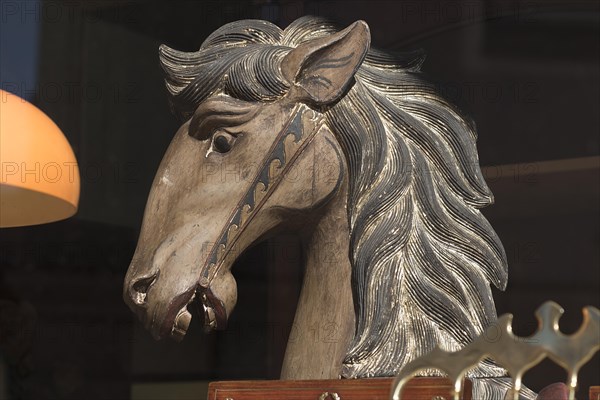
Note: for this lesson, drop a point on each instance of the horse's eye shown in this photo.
(222, 142)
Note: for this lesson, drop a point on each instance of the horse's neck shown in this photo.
(324, 321)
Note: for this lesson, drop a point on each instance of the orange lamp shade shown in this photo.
(39, 180)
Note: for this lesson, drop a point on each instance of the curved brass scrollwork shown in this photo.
(516, 354)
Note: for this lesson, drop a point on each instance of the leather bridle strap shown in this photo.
(283, 151)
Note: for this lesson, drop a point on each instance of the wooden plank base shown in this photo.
(424, 388)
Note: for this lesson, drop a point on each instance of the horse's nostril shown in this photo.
(140, 288)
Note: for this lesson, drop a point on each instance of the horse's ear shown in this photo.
(323, 68)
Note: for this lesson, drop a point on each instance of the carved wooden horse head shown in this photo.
(309, 130)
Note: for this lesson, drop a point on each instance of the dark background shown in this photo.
(526, 71)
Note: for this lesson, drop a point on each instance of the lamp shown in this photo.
(39, 180)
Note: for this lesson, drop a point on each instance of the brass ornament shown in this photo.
(516, 354)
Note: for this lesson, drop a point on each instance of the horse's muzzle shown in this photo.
(174, 322)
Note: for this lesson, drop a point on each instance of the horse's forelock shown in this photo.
(241, 58)
(249, 73)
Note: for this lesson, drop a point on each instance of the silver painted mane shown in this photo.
(422, 254)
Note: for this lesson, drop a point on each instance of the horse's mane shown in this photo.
(422, 254)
